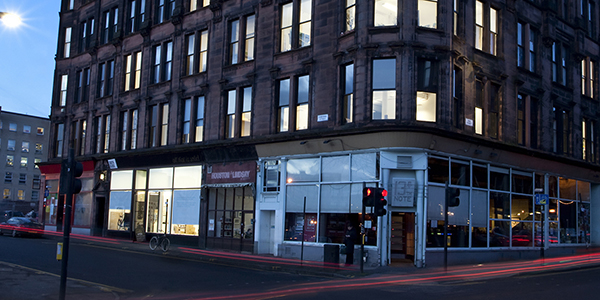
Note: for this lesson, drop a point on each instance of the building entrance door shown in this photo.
(402, 237)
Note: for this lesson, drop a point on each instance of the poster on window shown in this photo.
(403, 192)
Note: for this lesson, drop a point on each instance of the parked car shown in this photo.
(7, 214)
(21, 226)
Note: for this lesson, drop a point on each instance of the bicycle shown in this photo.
(161, 240)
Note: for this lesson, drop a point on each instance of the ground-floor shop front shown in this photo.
(195, 200)
(306, 200)
(206, 205)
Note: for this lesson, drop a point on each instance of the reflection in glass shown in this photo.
(499, 233)
(428, 13)
(302, 170)
(336, 168)
(426, 106)
(386, 12)
(499, 205)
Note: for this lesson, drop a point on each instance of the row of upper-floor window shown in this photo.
(162, 68)
(13, 127)
(24, 161)
(196, 53)
(7, 194)
(8, 178)
(293, 99)
(11, 146)
(295, 24)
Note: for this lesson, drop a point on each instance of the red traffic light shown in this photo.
(383, 193)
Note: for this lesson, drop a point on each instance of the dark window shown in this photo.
(110, 28)
(136, 15)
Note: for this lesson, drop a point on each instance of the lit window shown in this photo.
(296, 25)
(426, 90)
(350, 15)
(67, 45)
(23, 162)
(384, 89)
(386, 12)
(302, 100)
(428, 13)
(133, 71)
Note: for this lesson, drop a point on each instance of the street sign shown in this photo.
(46, 193)
(541, 199)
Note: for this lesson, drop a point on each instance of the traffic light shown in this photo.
(69, 172)
(379, 201)
(76, 170)
(452, 198)
(368, 196)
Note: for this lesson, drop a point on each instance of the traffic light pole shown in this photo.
(446, 230)
(67, 223)
(362, 238)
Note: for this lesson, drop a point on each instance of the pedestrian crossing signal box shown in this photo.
(59, 251)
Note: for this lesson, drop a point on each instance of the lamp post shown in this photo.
(10, 19)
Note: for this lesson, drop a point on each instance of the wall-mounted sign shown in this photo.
(231, 173)
(112, 163)
(403, 192)
(322, 118)
(469, 122)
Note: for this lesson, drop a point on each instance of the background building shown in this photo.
(254, 125)
(23, 144)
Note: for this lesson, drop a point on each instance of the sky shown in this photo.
(27, 56)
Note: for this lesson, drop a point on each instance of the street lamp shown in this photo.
(10, 19)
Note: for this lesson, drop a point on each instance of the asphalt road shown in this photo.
(147, 275)
(133, 274)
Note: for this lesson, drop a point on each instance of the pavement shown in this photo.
(20, 282)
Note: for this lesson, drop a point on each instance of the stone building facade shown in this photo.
(254, 125)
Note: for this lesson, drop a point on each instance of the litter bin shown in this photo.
(331, 253)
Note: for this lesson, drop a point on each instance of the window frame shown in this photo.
(136, 15)
(106, 75)
(133, 71)
(293, 23)
(376, 88)
(110, 28)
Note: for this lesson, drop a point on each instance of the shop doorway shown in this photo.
(98, 225)
(230, 218)
(402, 237)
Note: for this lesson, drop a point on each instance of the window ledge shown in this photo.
(383, 29)
(431, 30)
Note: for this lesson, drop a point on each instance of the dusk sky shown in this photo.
(27, 56)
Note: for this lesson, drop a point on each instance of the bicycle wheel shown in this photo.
(164, 245)
(153, 242)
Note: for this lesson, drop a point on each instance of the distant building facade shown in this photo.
(23, 145)
(254, 125)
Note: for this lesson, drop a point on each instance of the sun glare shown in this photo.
(11, 20)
